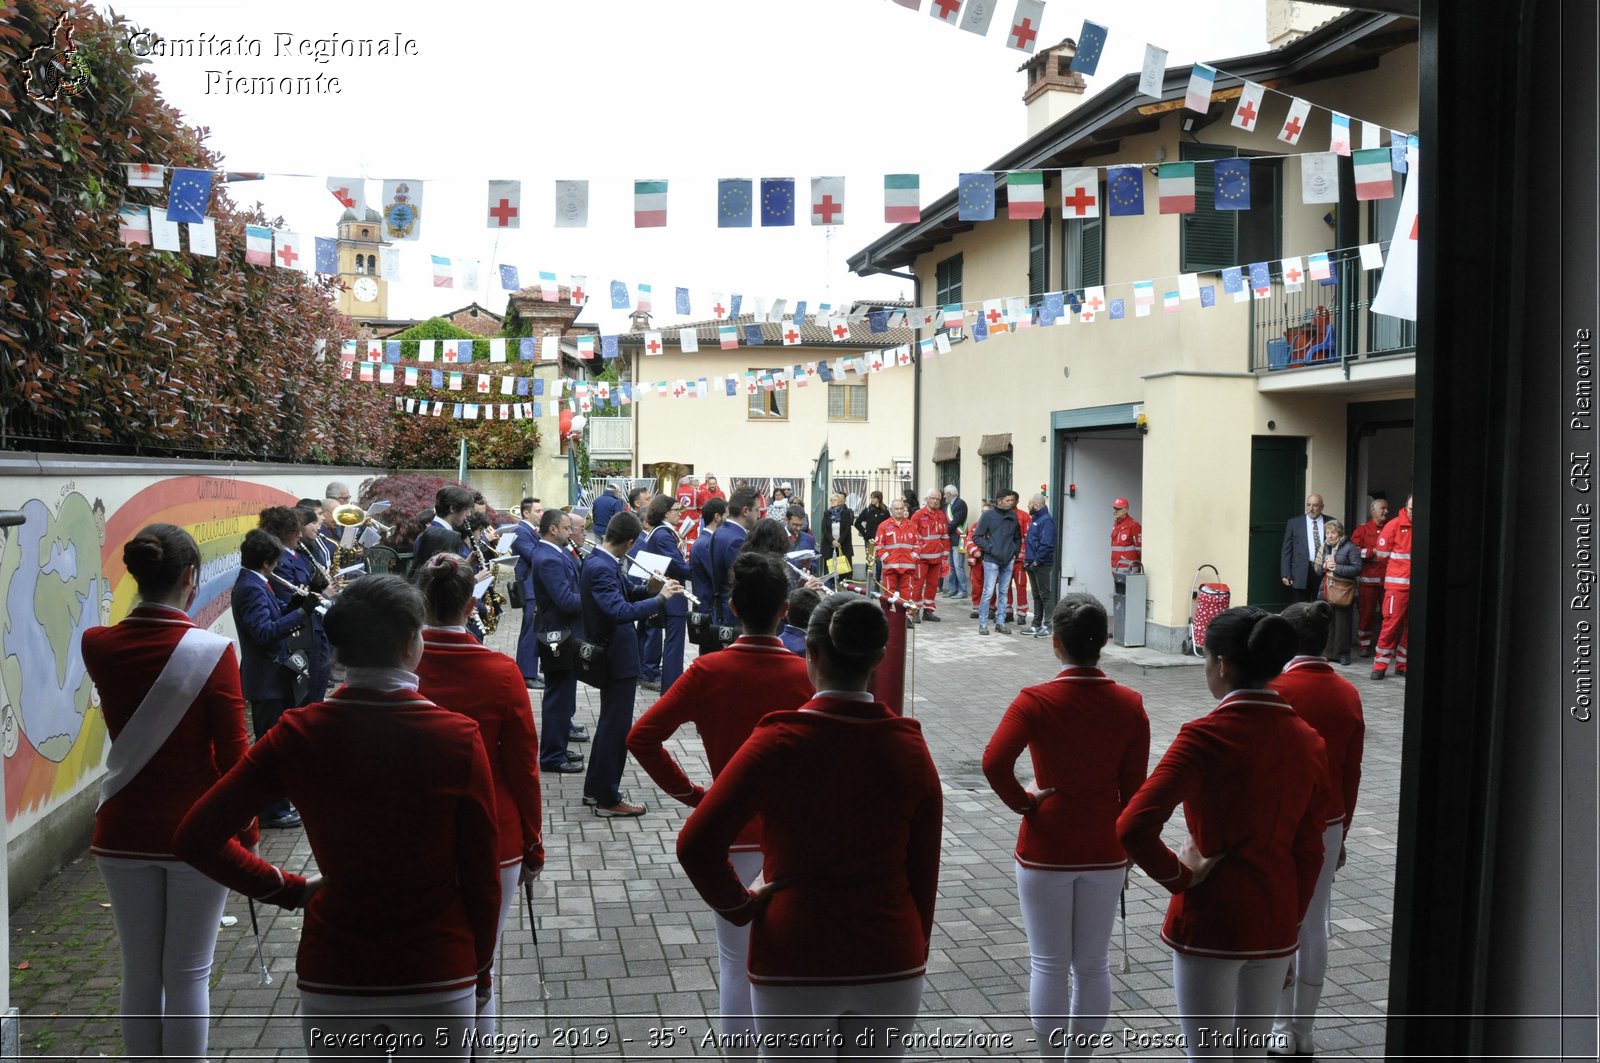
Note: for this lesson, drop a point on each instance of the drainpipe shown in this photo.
(916, 364)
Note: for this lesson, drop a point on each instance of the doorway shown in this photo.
(1277, 492)
(1382, 458)
(1095, 466)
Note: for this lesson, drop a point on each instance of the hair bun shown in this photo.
(858, 628)
(1271, 644)
(142, 555)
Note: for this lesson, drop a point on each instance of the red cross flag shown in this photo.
(827, 201)
(1295, 124)
(1025, 25)
(652, 344)
(1248, 112)
(351, 192)
(144, 175)
(947, 11)
(1294, 276)
(286, 251)
(505, 204)
(790, 334)
(1080, 193)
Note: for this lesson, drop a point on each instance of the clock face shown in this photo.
(366, 290)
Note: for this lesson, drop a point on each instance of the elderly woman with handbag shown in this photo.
(1339, 562)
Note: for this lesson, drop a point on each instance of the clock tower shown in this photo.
(366, 294)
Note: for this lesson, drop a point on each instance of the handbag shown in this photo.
(514, 596)
(709, 636)
(557, 650)
(591, 661)
(1339, 591)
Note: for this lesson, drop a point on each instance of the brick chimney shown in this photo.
(1289, 20)
(1053, 89)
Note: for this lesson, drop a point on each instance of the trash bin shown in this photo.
(1127, 608)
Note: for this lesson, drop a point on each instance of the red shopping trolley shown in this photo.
(1209, 599)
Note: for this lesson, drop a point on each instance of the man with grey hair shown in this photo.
(336, 495)
(955, 509)
(1038, 561)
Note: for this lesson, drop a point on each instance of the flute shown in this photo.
(325, 602)
(688, 595)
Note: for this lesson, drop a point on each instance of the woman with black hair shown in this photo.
(398, 801)
(1090, 741)
(169, 692)
(1253, 781)
(840, 927)
(1331, 705)
(459, 673)
(714, 695)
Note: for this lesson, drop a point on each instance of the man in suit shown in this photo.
(451, 507)
(608, 505)
(1301, 538)
(799, 537)
(524, 538)
(741, 518)
(554, 577)
(610, 605)
(836, 535)
(955, 509)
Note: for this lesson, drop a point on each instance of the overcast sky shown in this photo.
(614, 90)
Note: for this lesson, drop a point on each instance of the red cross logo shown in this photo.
(994, 317)
(1024, 33)
(1094, 305)
(1414, 227)
(146, 170)
(343, 196)
(1293, 276)
(503, 212)
(1247, 111)
(947, 8)
(828, 208)
(287, 256)
(677, 392)
(718, 310)
(750, 386)
(840, 332)
(1292, 128)
(792, 336)
(1080, 201)
(653, 347)
(578, 295)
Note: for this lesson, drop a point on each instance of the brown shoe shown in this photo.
(621, 808)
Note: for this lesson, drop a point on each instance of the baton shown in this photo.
(533, 929)
(1125, 967)
(255, 928)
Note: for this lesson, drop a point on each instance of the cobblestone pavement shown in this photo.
(627, 947)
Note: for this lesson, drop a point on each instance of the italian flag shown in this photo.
(1373, 177)
(649, 204)
(1025, 194)
(1176, 183)
(902, 198)
(728, 336)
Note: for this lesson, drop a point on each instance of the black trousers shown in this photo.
(1044, 594)
(263, 714)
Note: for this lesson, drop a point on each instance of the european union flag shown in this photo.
(538, 385)
(187, 196)
(1118, 310)
(980, 329)
(522, 386)
(1074, 302)
(391, 350)
(1232, 279)
(1125, 189)
(327, 255)
(608, 346)
(777, 201)
(538, 410)
(1054, 307)
(976, 197)
(730, 387)
(1091, 42)
(619, 296)
(438, 378)
(1232, 184)
(680, 301)
(1260, 276)
(733, 304)
(878, 321)
(1208, 295)
(1332, 277)
(825, 372)
(525, 348)
(752, 336)
(734, 201)
(800, 312)
(509, 280)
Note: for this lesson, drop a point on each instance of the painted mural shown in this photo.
(60, 574)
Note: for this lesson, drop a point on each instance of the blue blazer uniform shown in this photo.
(730, 537)
(557, 606)
(662, 541)
(609, 603)
(524, 540)
(701, 579)
(262, 622)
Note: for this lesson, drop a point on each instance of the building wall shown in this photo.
(716, 434)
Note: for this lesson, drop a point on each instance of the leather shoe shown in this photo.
(650, 684)
(1379, 675)
(566, 767)
(533, 684)
(1002, 629)
(285, 822)
(592, 801)
(983, 629)
(933, 618)
(574, 758)
(974, 615)
(621, 808)
(578, 734)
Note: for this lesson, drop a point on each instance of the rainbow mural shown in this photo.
(61, 573)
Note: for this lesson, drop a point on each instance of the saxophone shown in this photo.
(493, 602)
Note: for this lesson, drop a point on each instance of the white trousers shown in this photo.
(1297, 1007)
(1225, 1007)
(167, 915)
(425, 1026)
(733, 956)
(843, 1022)
(1068, 916)
(487, 1015)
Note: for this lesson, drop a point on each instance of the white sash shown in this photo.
(191, 664)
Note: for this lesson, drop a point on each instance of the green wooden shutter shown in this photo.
(1093, 253)
(1039, 257)
(1209, 238)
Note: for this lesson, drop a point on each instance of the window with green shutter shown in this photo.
(1038, 257)
(1083, 253)
(947, 281)
(1211, 240)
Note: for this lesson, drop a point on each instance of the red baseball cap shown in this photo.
(1119, 503)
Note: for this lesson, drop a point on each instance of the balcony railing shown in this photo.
(1325, 323)
(610, 438)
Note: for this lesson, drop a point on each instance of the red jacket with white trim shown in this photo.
(851, 810)
(398, 803)
(716, 694)
(124, 661)
(1329, 702)
(459, 673)
(932, 530)
(1090, 740)
(1253, 781)
(1366, 540)
(1394, 546)
(1127, 543)
(898, 543)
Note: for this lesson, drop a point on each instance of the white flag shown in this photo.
(351, 192)
(1248, 112)
(163, 233)
(688, 340)
(389, 264)
(402, 210)
(1295, 123)
(286, 251)
(1080, 193)
(203, 238)
(1372, 254)
(1153, 75)
(653, 345)
(827, 201)
(572, 204)
(975, 18)
(508, 384)
(505, 204)
(497, 350)
(1319, 177)
(1397, 291)
(468, 270)
(775, 314)
(1188, 286)
(1371, 136)
(144, 175)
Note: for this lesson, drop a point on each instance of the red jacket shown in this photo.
(124, 661)
(459, 673)
(850, 808)
(398, 803)
(702, 495)
(1090, 739)
(1372, 564)
(1127, 542)
(1253, 781)
(1394, 546)
(1329, 702)
(715, 694)
(897, 544)
(1018, 572)
(932, 530)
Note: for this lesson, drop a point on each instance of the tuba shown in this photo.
(360, 531)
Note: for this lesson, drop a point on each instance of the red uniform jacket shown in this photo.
(932, 530)
(1253, 781)
(724, 695)
(1372, 563)
(850, 807)
(1329, 703)
(124, 661)
(399, 808)
(1090, 740)
(459, 673)
(897, 544)
(1127, 543)
(702, 495)
(1394, 546)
